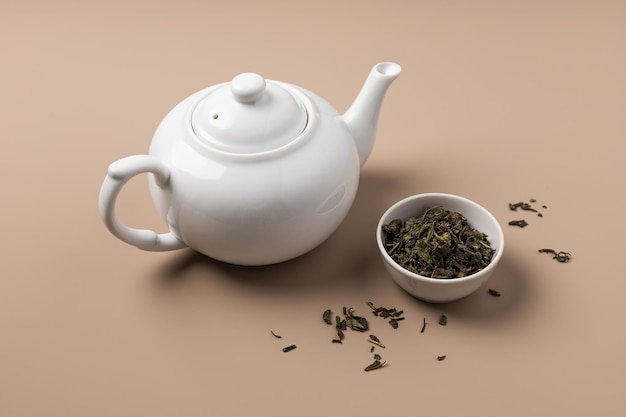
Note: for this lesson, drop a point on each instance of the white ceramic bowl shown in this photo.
(433, 289)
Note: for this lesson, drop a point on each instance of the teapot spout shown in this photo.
(362, 116)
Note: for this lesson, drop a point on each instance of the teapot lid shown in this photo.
(249, 115)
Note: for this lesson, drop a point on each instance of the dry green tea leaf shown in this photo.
(437, 243)
(562, 257)
(327, 316)
(355, 322)
(377, 364)
(373, 339)
(519, 223)
(493, 292)
(391, 313)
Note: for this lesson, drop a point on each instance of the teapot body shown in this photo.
(251, 172)
(261, 207)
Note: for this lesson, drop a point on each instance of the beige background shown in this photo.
(498, 101)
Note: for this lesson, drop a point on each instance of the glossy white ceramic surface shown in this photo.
(252, 172)
(432, 289)
(249, 115)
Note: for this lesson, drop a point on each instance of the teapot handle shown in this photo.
(118, 174)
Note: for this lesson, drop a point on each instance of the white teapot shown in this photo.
(251, 172)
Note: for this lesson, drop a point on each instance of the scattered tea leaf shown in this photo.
(493, 292)
(377, 357)
(441, 357)
(373, 339)
(355, 322)
(562, 257)
(423, 326)
(338, 327)
(526, 207)
(377, 364)
(327, 316)
(393, 314)
(275, 335)
(519, 223)
(443, 320)
(289, 348)
(521, 205)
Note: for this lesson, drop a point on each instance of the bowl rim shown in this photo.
(451, 281)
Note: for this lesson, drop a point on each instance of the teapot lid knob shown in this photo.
(247, 87)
